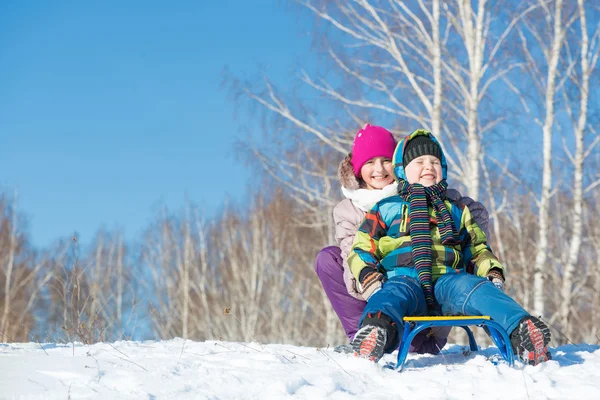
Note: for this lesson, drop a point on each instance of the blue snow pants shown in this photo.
(458, 294)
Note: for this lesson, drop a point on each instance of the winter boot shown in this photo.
(369, 342)
(378, 334)
(530, 341)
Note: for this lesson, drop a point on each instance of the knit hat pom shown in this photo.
(370, 142)
(420, 146)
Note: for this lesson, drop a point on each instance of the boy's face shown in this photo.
(377, 173)
(426, 170)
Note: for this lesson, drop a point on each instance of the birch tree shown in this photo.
(483, 32)
(163, 257)
(112, 290)
(381, 68)
(398, 61)
(21, 278)
(90, 294)
(548, 86)
(587, 62)
(594, 230)
(244, 277)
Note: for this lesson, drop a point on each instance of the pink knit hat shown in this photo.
(370, 142)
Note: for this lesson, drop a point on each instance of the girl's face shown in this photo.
(426, 170)
(377, 173)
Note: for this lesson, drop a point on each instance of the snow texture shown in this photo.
(183, 369)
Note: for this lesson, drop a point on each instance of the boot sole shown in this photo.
(369, 346)
(534, 337)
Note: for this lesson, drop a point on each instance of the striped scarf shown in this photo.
(419, 198)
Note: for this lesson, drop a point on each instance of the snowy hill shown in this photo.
(179, 369)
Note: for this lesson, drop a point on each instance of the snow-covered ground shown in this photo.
(179, 369)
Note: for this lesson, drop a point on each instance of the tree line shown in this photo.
(506, 86)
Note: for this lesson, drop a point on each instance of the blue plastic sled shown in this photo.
(414, 325)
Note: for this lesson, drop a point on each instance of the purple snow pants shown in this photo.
(329, 268)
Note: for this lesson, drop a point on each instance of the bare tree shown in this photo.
(470, 77)
(399, 59)
(548, 85)
(594, 232)
(246, 276)
(21, 278)
(588, 59)
(112, 291)
(159, 256)
(91, 296)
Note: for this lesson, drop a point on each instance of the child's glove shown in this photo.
(495, 275)
(370, 283)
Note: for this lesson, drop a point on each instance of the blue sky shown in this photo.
(110, 109)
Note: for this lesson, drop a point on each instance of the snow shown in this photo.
(183, 369)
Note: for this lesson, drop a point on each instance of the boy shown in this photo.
(411, 255)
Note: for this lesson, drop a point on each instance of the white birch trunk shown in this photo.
(203, 322)
(120, 278)
(578, 159)
(596, 300)
(185, 284)
(8, 269)
(542, 246)
(475, 45)
(436, 49)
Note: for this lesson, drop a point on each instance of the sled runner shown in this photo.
(414, 325)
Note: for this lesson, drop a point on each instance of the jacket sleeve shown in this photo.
(365, 249)
(346, 226)
(477, 255)
(478, 211)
